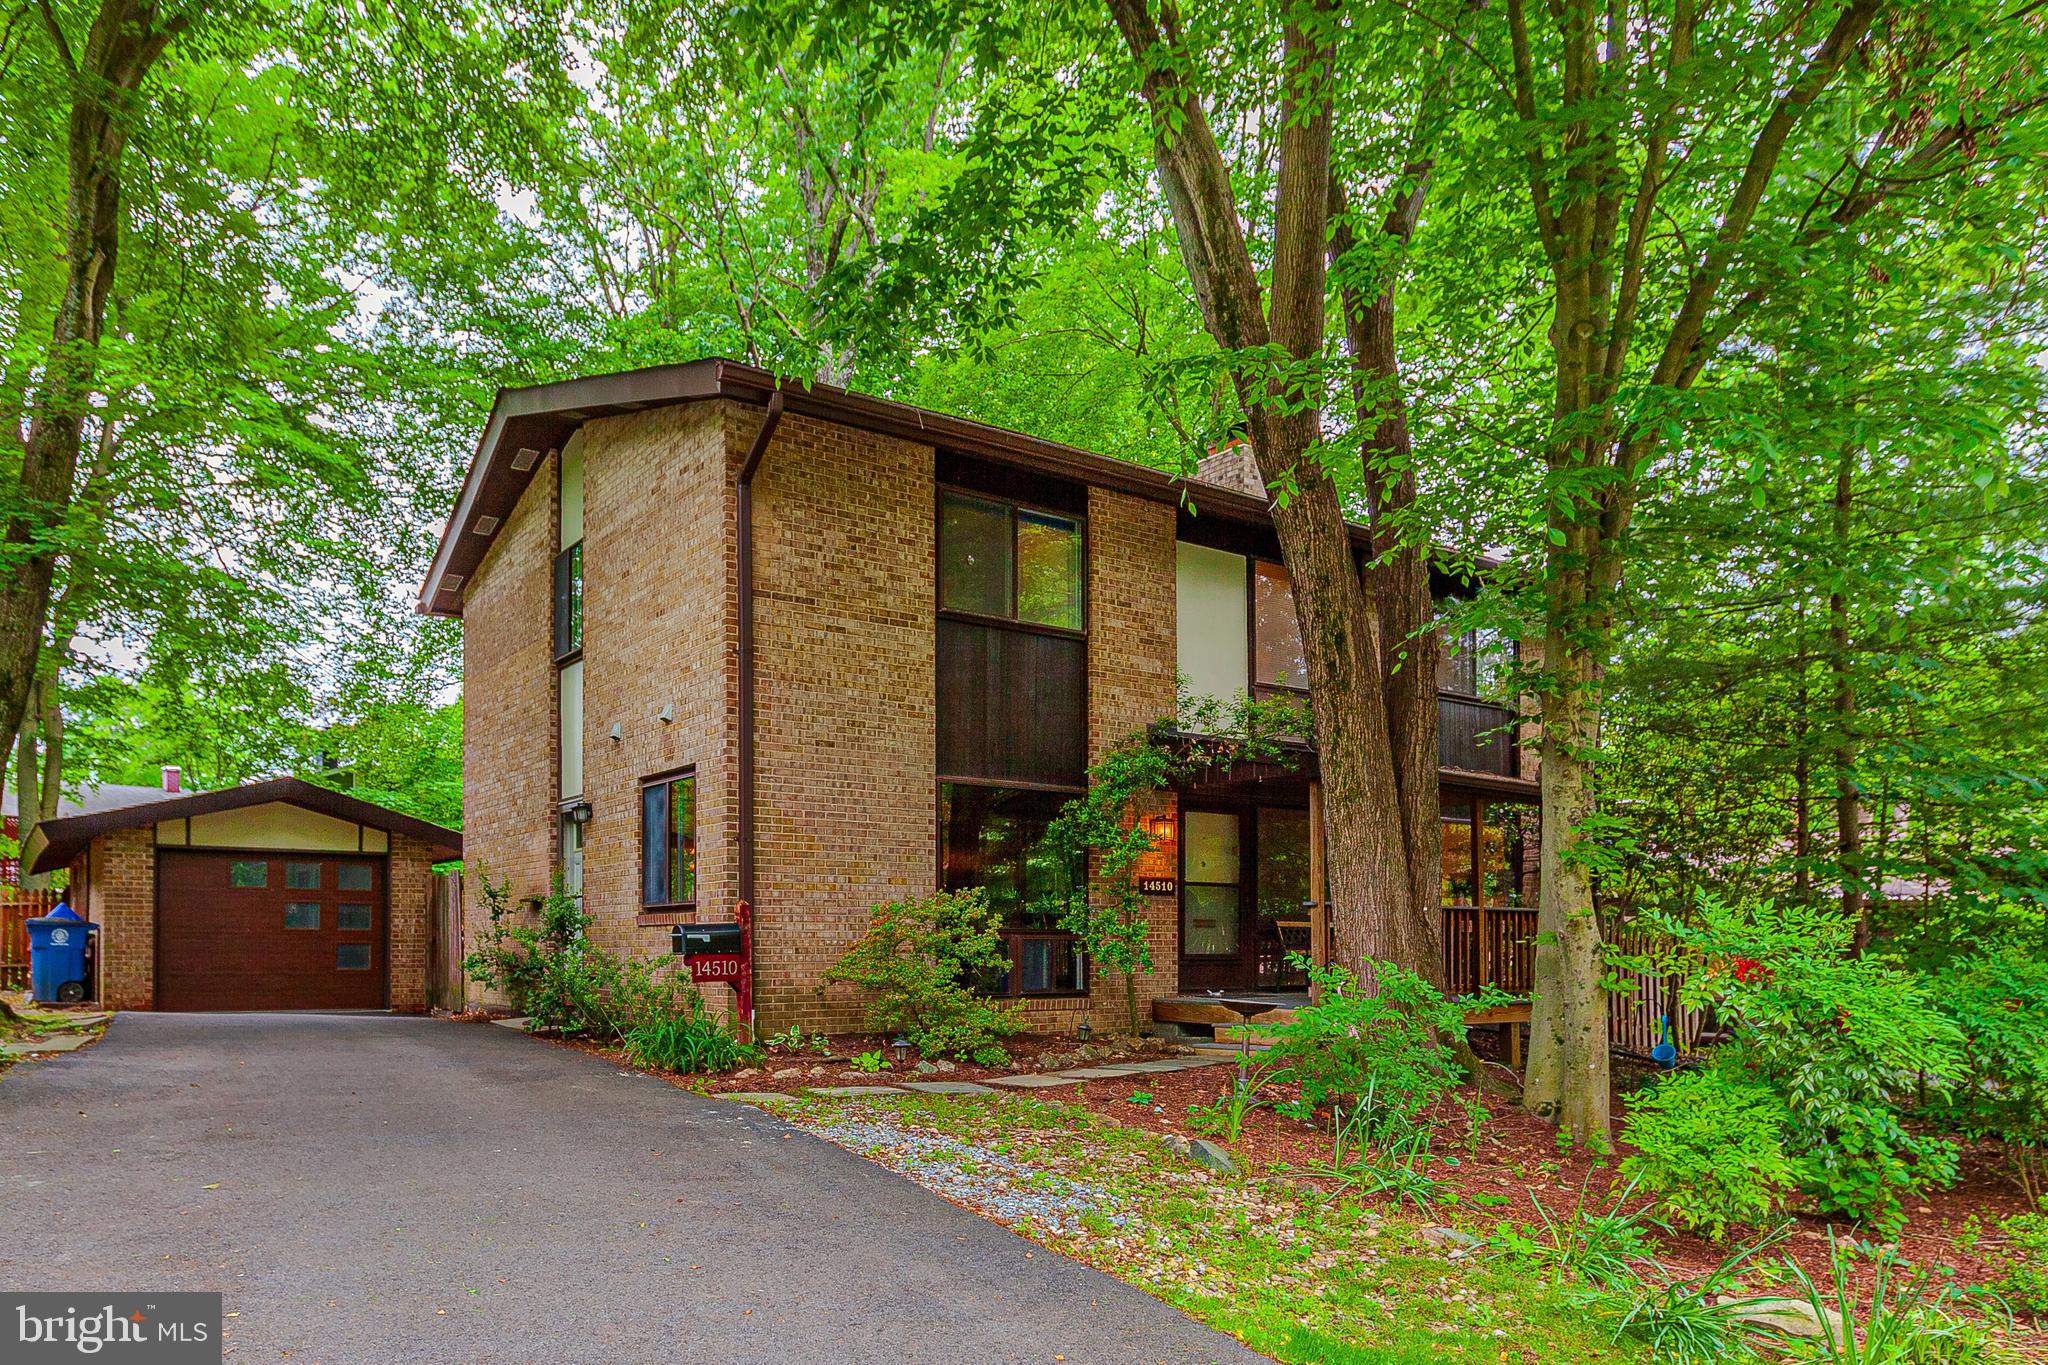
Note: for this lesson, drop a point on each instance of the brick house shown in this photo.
(273, 895)
(727, 639)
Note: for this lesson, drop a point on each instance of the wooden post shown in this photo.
(1318, 884)
(1479, 891)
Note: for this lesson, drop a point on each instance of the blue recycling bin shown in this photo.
(56, 957)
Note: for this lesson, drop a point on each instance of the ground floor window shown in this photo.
(668, 842)
(1488, 852)
(989, 838)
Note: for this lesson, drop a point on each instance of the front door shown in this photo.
(1244, 878)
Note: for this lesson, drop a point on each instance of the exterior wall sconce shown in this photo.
(1160, 827)
(668, 713)
(579, 814)
(618, 733)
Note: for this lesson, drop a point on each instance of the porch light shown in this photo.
(1160, 827)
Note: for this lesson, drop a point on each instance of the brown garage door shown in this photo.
(270, 931)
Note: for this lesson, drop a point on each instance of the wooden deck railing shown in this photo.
(1497, 944)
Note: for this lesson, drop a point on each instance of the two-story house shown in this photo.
(727, 639)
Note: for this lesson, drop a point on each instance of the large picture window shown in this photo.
(668, 843)
(989, 838)
(1011, 563)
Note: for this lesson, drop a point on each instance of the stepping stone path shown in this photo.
(52, 1042)
(755, 1096)
(947, 1088)
(855, 1092)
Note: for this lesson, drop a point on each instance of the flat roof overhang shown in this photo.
(527, 423)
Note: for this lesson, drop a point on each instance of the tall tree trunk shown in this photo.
(1568, 1078)
(1409, 645)
(1373, 915)
(1848, 796)
(122, 45)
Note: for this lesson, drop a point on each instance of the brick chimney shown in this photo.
(1232, 465)
(172, 772)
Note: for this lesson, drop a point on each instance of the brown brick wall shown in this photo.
(508, 719)
(658, 534)
(412, 892)
(846, 800)
(847, 805)
(120, 869)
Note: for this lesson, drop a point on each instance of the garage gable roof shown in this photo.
(54, 843)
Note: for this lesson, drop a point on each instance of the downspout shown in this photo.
(769, 421)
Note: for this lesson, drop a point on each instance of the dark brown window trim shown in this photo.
(1015, 784)
(1080, 519)
(668, 775)
(975, 618)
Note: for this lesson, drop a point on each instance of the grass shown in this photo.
(1279, 1265)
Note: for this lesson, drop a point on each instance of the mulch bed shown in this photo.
(1516, 1163)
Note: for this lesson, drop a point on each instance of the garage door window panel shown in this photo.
(302, 876)
(352, 877)
(249, 873)
(302, 915)
(352, 957)
(356, 917)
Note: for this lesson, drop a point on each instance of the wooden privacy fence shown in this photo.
(1497, 944)
(445, 948)
(17, 908)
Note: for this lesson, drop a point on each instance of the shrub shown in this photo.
(1910, 1318)
(919, 961)
(1710, 1149)
(1845, 1042)
(1999, 1002)
(681, 1034)
(550, 972)
(1383, 1050)
(2023, 1265)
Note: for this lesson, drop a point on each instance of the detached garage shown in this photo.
(274, 896)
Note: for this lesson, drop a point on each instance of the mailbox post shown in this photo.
(723, 953)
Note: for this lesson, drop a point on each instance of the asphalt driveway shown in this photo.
(370, 1188)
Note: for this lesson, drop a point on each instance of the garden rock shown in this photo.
(787, 1073)
(935, 1068)
(1203, 1152)
(1793, 1317)
(1455, 1238)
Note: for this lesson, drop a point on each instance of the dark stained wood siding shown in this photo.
(1012, 705)
(1475, 736)
(221, 947)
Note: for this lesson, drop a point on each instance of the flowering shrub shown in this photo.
(1845, 1043)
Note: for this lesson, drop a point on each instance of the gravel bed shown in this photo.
(990, 1183)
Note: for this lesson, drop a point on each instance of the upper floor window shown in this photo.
(569, 601)
(1277, 657)
(1010, 563)
(668, 842)
(1474, 662)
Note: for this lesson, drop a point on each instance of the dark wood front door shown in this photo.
(268, 930)
(1244, 876)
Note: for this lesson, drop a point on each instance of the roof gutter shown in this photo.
(770, 420)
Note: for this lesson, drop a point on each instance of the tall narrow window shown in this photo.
(1277, 656)
(668, 843)
(569, 601)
